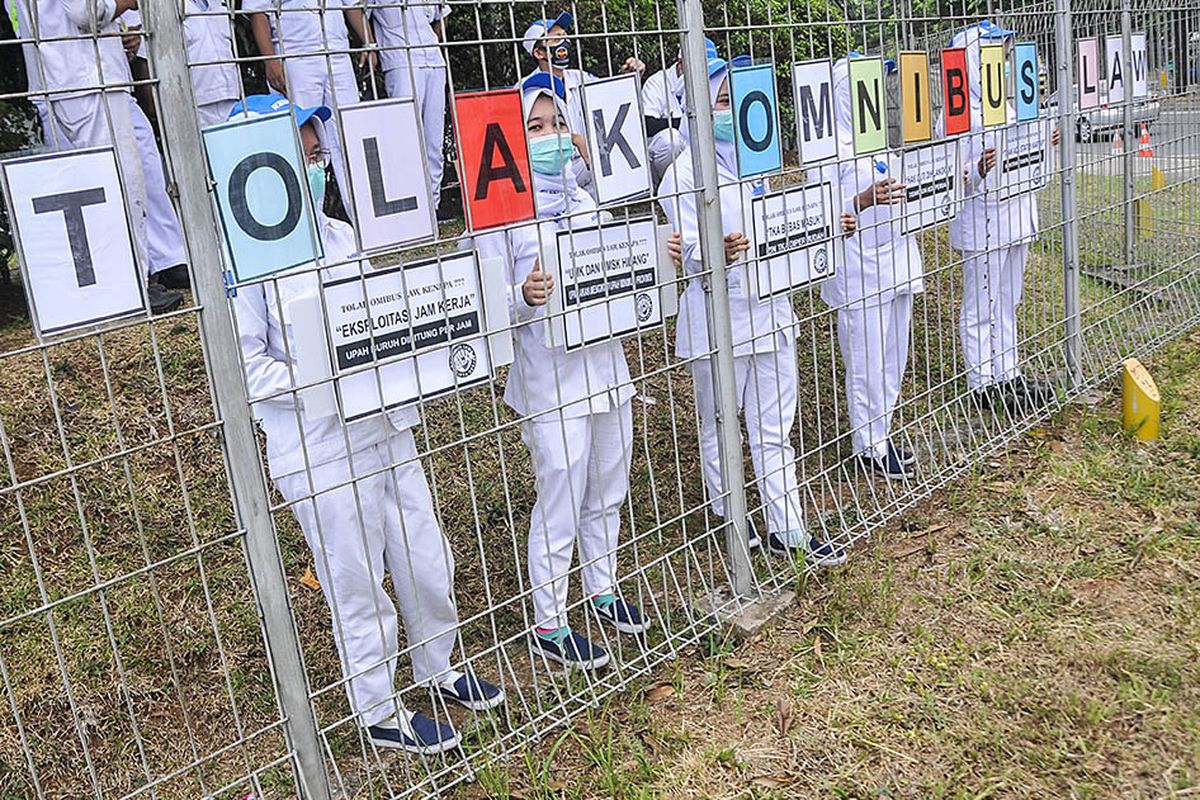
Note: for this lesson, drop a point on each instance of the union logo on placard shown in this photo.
(463, 360)
(1037, 172)
(820, 262)
(947, 207)
(645, 307)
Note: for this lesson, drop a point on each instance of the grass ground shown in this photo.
(1032, 632)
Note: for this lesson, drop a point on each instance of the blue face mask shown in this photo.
(549, 154)
(723, 125)
(316, 184)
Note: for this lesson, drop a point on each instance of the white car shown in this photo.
(1093, 121)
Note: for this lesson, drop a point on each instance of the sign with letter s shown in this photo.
(1028, 90)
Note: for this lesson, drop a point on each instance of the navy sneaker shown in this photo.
(571, 650)
(887, 466)
(1027, 393)
(905, 457)
(813, 551)
(470, 692)
(625, 617)
(415, 733)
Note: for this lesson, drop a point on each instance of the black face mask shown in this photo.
(560, 54)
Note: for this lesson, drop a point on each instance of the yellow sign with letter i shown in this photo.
(916, 115)
(995, 93)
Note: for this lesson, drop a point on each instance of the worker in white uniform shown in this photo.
(208, 36)
(548, 42)
(307, 47)
(164, 236)
(578, 418)
(873, 295)
(662, 105)
(993, 233)
(408, 33)
(360, 495)
(764, 344)
(85, 101)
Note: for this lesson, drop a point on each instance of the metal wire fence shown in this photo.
(454, 467)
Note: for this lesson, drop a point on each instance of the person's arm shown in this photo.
(357, 21)
(266, 375)
(260, 26)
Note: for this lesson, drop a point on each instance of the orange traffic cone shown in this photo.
(1117, 145)
(1144, 148)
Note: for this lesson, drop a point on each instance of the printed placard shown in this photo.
(1087, 72)
(409, 333)
(617, 138)
(797, 239)
(755, 119)
(956, 104)
(606, 279)
(73, 239)
(1137, 60)
(812, 86)
(1023, 157)
(391, 193)
(933, 186)
(494, 158)
(1028, 88)
(868, 109)
(995, 93)
(916, 113)
(263, 200)
(1114, 68)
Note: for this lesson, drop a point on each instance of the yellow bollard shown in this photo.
(1158, 181)
(1143, 223)
(1142, 402)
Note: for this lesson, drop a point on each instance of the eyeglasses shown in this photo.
(319, 158)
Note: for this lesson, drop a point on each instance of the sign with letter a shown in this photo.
(917, 118)
(262, 194)
(617, 138)
(1087, 70)
(812, 83)
(391, 193)
(868, 110)
(755, 119)
(995, 93)
(494, 158)
(955, 98)
(1027, 92)
(68, 214)
(1114, 68)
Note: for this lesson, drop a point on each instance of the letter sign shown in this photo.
(1137, 57)
(617, 138)
(957, 106)
(1028, 89)
(813, 88)
(390, 188)
(262, 194)
(1114, 68)
(1088, 73)
(995, 93)
(916, 117)
(73, 238)
(494, 158)
(755, 119)
(868, 111)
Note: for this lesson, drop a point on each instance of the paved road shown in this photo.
(1175, 138)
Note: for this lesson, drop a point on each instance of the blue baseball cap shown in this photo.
(741, 61)
(259, 105)
(990, 30)
(715, 65)
(544, 80)
(538, 29)
(889, 66)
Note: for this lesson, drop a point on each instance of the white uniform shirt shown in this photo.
(208, 37)
(304, 26)
(70, 64)
(986, 220)
(758, 327)
(590, 380)
(407, 22)
(261, 331)
(661, 93)
(880, 261)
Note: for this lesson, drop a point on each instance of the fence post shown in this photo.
(1129, 134)
(1070, 205)
(181, 141)
(712, 248)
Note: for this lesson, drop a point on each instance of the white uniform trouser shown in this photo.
(164, 237)
(73, 123)
(397, 529)
(311, 81)
(664, 147)
(993, 281)
(214, 113)
(874, 343)
(766, 391)
(581, 466)
(431, 104)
